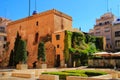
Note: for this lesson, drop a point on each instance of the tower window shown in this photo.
(57, 37)
(58, 46)
(62, 26)
(36, 37)
(37, 23)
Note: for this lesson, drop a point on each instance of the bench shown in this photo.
(23, 75)
(48, 77)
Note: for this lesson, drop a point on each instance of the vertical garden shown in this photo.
(79, 47)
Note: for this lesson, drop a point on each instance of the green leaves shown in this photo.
(19, 53)
(41, 51)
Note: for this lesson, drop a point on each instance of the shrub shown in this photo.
(82, 73)
(94, 73)
(41, 51)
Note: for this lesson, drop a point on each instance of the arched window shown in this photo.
(37, 23)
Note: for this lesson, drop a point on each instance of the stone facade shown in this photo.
(3, 24)
(108, 26)
(116, 35)
(34, 28)
(58, 41)
(103, 27)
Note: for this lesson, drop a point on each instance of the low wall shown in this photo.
(48, 77)
(82, 78)
(23, 75)
(21, 66)
(108, 63)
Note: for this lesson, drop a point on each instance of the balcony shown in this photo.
(102, 24)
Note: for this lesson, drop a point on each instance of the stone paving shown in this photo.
(5, 74)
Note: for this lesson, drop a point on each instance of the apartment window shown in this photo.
(3, 45)
(2, 29)
(57, 37)
(117, 34)
(37, 23)
(108, 39)
(107, 30)
(97, 32)
(100, 24)
(107, 22)
(58, 46)
(117, 43)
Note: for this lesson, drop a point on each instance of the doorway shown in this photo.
(58, 61)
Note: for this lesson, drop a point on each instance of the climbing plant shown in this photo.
(41, 51)
(67, 41)
(81, 46)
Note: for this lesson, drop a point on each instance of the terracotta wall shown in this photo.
(59, 45)
(42, 24)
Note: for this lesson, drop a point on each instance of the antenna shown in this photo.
(107, 6)
(29, 7)
(111, 10)
(6, 5)
(35, 6)
(35, 12)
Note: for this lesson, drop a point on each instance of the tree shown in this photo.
(17, 40)
(11, 60)
(41, 51)
(21, 55)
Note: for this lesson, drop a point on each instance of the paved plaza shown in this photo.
(7, 74)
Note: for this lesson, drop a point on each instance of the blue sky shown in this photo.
(83, 12)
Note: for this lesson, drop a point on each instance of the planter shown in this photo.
(43, 66)
(21, 66)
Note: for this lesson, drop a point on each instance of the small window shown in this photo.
(62, 26)
(108, 39)
(117, 34)
(5, 39)
(57, 37)
(37, 23)
(100, 24)
(3, 45)
(58, 46)
(36, 37)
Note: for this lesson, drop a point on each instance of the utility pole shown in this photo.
(29, 7)
(35, 6)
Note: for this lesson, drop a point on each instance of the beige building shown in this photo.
(3, 24)
(103, 27)
(91, 31)
(116, 35)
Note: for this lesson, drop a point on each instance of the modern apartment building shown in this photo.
(103, 27)
(3, 39)
(116, 34)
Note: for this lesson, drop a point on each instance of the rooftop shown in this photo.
(56, 12)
